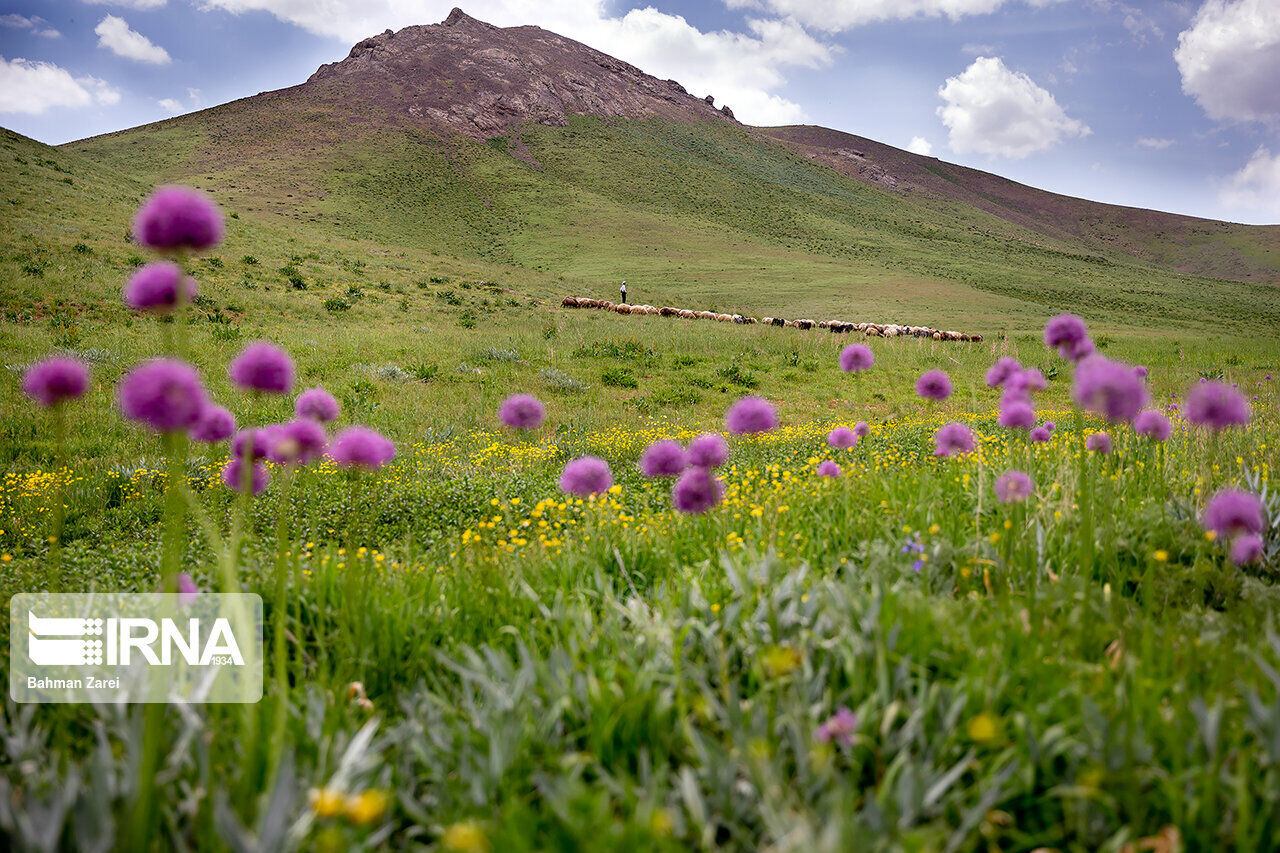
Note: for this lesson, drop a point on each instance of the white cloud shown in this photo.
(39, 26)
(115, 35)
(975, 49)
(836, 15)
(743, 70)
(1257, 185)
(1230, 59)
(129, 4)
(171, 105)
(920, 145)
(992, 110)
(33, 87)
(1153, 143)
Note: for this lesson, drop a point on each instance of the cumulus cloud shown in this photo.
(115, 35)
(39, 26)
(33, 87)
(920, 145)
(1155, 144)
(171, 105)
(1257, 185)
(837, 15)
(992, 110)
(744, 70)
(1229, 59)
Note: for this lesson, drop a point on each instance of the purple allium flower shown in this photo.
(53, 380)
(842, 438)
(953, 438)
(317, 404)
(164, 394)
(1231, 512)
(1108, 388)
(586, 475)
(1246, 549)
(697, 491)
(178, 218)
(856, 358)
(1039, 435)
(1067, 334)
(522, 411)
(1216, 406)
(1099, 442)
(251, 442)
(663, 459)
(933, 385)
(297, 442)
(861, 430)
(1027, 381)
(839, 727)
(215, 424)
(1140, 372)
(233, 474)
(750, 415)
(1153, 425)
(708, 450)
(187, 590)
(361, 447)
(1049, 425)
(158, 286)
(1013, 486)
(262, 366)
(1017, 414)
(828, 468)
(1002, 370)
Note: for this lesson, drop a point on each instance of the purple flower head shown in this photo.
(856, 358)
(1153, 425)
(586, 475)
(233, 475)
(842, 438)
(1039, 435)
(215, 424)
(252, 443)
(178, 218)
(697, 491)
(828, 468)
(933, 385)
(187, 590)
(317, 404)
(262, 366)
(297, 442)
(839, 727)
(158, 286)
(1026, 381)
(1067, 334)
(1140, 372)
(708, 450)
(1002, 370)
(1232, 512)
(861, 430)
(663, 459)
(1099, 442)
(522, 411)
(750, 415)
(1049, 426)
(1017, 414)
(164, 394)
(1216, 406)
(361, 447)
(953, 438)
(1014, 486)
(1109, 388)
(53, 380)
(1246, 549)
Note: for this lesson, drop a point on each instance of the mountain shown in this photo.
(520, 147)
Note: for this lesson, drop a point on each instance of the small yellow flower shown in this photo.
(327, 802)
(465, 837)
(1211, 535)
(367, 806)
(4, 558)
(662, 823)
(779, 661)
(984, 729)
(1161, 556)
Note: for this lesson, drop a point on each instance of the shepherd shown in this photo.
(624, 293)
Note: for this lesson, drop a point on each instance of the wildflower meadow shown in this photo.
(896, 595)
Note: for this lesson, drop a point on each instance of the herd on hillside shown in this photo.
(872, 330)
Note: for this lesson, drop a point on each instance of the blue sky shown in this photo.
(1170, 105)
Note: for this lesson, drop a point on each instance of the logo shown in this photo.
(57, 642)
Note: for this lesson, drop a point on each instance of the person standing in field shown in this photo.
(624, 293)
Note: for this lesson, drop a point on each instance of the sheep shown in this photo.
(622, 309)
(686, 314)
(804, 324)
(569, 302)
(768, 321)
(779, 322)
(823, 324)
(724, 318)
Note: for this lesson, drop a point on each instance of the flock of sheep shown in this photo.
(873, 330)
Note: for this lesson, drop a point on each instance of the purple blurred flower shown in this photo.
(1109, 389)
(53, 380)
(839, 727)
(708, 450)
(1016, 414)
(953, 438)
(157, 288)
(187, 590)
(1067, 334)
(164, 394)
(933, 385)
(1216, 406)
(827, 468)
(1140, 372)
(215, 424)
(178, 218)
(1049, 425)
(842, 438)
(233, 474)
(263, 366)
(750, 415)
(1231, 512)
(361, 447)
(1039, 435)
(1013, 486)
(856, 358)
(697, 491)
(1099, 442)
(297, 442)
(1246, 549)
(1002, 370)
(861, 430)
(522, 411)
(317, 404)
(663, 459)
(251, 442)
(1153, 425)
(586, 475)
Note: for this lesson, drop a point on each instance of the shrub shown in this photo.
(334, 304)
(618, 377)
